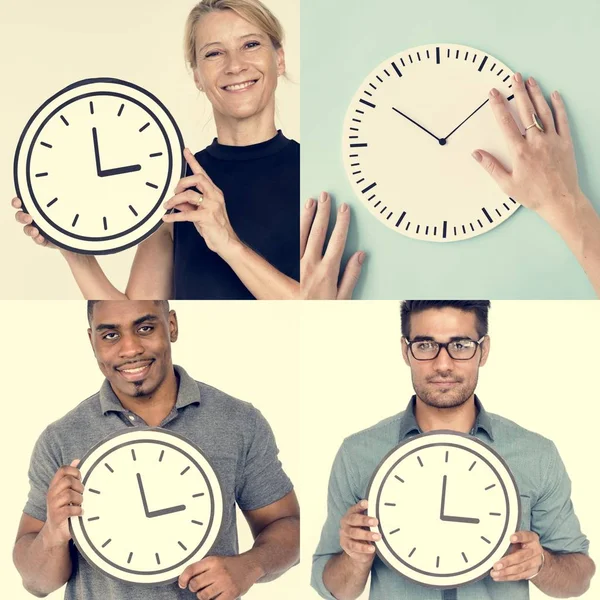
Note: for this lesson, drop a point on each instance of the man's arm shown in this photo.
(276, 532)
(557, 575)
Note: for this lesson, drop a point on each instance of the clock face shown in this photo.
(95, 163)
(409, 134)
(153, 505)
(447, 505)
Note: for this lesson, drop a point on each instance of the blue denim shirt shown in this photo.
(543, 483)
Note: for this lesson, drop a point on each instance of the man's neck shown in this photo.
(459, 418)
(154, 409)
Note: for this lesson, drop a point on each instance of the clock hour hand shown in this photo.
(120, 170)
(461, 124)
(141, 486)
(448, 518)
(441, 141)
(166, 511)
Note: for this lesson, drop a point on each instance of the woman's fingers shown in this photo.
(306, 219)
(560, 112)
(337, 241)
(350, 276)
(318, 231)
(525, 106)
(540, 105)
(495, 169)
(190, 197)
(505, 120)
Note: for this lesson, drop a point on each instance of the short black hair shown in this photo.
(92, 303)
(479, 307)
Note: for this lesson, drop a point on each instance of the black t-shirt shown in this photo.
(261, 186)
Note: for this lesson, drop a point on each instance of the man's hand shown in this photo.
(29, 227)
(319, 272)
(524, 560)
(356, 539)
(63, 500)
(225, 577)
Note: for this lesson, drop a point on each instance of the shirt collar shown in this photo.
(409, 425)
(188, 393)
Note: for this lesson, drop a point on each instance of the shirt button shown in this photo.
(131, 417)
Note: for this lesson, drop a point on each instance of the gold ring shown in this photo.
(536, 123)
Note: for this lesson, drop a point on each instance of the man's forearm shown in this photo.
(344, 578)
(90, 278)
(276, 549)
(43, 567)
(565, 575)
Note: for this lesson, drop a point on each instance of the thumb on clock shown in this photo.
(494, 167)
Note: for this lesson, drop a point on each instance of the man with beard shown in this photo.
(444, 343)
(132, 345)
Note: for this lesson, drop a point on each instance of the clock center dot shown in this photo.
(442, 141)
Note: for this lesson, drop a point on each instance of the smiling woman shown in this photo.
(232, 227)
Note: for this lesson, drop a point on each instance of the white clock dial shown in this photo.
(409, 134)
(153, 505)
(447, 505)
(95, 163)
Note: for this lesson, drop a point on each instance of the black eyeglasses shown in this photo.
(457, 349)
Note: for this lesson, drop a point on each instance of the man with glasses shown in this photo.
(444, 343)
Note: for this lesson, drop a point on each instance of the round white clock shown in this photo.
(409, 134)
(94, 164)
(152, 506)
(447, 505)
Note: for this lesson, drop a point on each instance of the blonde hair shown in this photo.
(253, 11)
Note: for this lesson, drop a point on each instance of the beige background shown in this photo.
(44, 46)
(248, 350)
(542, 373)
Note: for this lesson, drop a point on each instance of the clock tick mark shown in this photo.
(362, 112)
(474, 58)
(93, 491)
(369, 187)
(512, 200)
(368, 93)
(412, 552)
(426, 233)
(505, 206)
(388, 217)
(185, 470)
(493, 67)
(355, 165)
(399, 478)
(464, 230)
(407, 226)
(64, 120)
(455, 231)
(510, 97)
(446, 460)
(437, 562)
(151, 185)
(379, 78)
(466, 55)
(400, 219)
(133, 454)
(486, 540)
(480, 225)
(46, 145)
(506, 78)
(495, 514)
(498, 213)
(109, 467)
(157, 558)
(75, 220)
(471, 467)
(386, 72)
(394, 531)
(366, 102)
(107, 542)
(499, 72)
(41, 174)
(104, 222)
(357, 120)
(120, 110)
(383, 210)
(444, 231)
(93, 518)
(51, 202)
(357, 146)
(410, 58)
(198, 495)
(162, 452)
(465, 557)
(360, 180)
(435, 231)
(353, 155)
(155, 154)
(482, 64)
(418, 227)
(197, 522)
(390, 504)
(371, 197)
(129, 557)
(353, 128)
(485, 212)
(377, 203)
(418, 457)
(472, 228)
(182, 546)
(489, 487)
(419, 57)
(372, 86)
(402, 61)
(144, 127)
(357, 173)
(91, 107)
(135, 213)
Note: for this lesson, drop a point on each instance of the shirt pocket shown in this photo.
(525, 524)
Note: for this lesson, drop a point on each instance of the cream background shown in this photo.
(44, 46)
(354, 376)
(248, 350)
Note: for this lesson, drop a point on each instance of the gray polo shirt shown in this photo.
(543, 484)
(233, 434)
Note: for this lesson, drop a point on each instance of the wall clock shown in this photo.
(447, 505)
(153, 505)
(408, 137)
(94, 164)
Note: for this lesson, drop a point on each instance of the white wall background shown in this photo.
(542, 373)
(247, 349)
(44, 46)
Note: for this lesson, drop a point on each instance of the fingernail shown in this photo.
(556, 95)
(181, 586)
(498, 567)
(477, 156)
(363, 503)
(376, 536)
(323, 197)
(372, 522)
(361, 258)
(494, 92)
(514, 538)
(310, 203)
(518, 78)
(371, 548)
(532, 82)
(343, 207)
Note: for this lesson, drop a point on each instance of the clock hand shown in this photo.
(120, 170)
(441, 141)
(444, 517)
(96, 151)
(144, 501)
(444, 481)
(166, 511)
(461, 124)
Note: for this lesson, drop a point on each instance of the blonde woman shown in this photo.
(235, 231)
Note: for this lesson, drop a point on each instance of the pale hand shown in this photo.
(29, 228)
(523, 561)
(206, 210)
(356, 539)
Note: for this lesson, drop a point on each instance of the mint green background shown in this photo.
(555, 41)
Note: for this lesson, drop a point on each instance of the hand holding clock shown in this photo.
(356, 539)
(524, 560)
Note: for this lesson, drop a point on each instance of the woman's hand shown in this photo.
(29, 228)
(319, 271)
(206, 209)
(544, 172)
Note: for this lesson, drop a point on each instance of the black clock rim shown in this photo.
(76, 84)
(126, 432)
(458, 434)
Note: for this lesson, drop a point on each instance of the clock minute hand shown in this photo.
(461, 124)
(444, 483)
(418, 125)
(96, 151)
